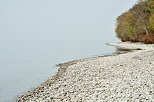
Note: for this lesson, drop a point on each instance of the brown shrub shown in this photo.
(147, 39)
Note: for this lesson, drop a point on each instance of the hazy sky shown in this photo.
(37, 34)
(59, 19)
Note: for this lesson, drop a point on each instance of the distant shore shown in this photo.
(124, 77)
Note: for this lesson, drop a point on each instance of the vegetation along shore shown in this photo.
(137, 24)
(127, 77)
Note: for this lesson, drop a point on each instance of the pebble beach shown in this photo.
(127, 77)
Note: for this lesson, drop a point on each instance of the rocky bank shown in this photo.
(125, 77)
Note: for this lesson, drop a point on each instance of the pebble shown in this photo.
(125, 77)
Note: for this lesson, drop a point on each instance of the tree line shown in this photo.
(137, 24)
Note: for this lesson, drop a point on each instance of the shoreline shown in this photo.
(62, 67)
(47, 90)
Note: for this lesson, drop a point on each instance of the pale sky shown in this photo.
(60, 19)
(37, 34)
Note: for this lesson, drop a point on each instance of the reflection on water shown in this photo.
(118, 49)
(37, 34)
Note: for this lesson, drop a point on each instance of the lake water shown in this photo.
(35, 35)
(26, 64)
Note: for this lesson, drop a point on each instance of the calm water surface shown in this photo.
(26, 64)
(37, 34)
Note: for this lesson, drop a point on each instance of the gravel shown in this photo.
(127, 77)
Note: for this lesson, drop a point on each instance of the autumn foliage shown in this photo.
(137, 24)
